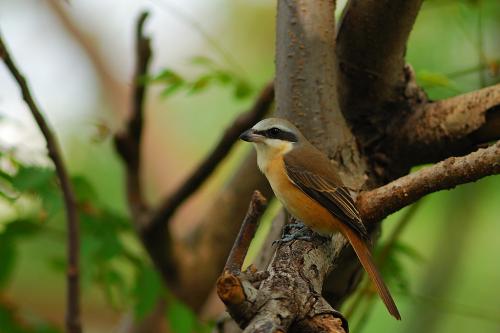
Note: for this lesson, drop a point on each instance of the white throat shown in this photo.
(269, 151)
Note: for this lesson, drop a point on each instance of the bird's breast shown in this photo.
(297, 202)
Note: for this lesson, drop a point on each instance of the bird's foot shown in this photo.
(303, 233)
(290, 226)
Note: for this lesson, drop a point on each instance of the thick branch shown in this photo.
(73, 324)
(450, 127)
(306, 90)
(376, 204)
(371, 46)
(213, 159)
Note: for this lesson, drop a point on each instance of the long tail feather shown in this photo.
(366, 260)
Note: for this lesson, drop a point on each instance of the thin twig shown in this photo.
(213, 159)
(128, 143)
(376, 204)
(156, 240)
(73, 324)
(248, 227)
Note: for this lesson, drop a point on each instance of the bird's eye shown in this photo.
(274, 131)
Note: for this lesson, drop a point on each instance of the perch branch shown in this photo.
(449, 127)
(73, 324)
(248, 227)
(376, 204)
(213, 159)
(232, 290)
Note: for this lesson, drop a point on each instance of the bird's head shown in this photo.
(273, 137)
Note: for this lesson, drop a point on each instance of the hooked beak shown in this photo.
(250, 136)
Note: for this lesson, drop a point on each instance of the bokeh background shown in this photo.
(78, 57)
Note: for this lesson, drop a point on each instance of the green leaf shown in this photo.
(409, 251)
(242, 89)
(7, 260)
(147, 291)
(181, 318)
(200, 84)
(83, 189)
(224, 77)
(115, 288)
(170, 89)
(32, 178)
(203, 61)
(430, 79)
(8, 321)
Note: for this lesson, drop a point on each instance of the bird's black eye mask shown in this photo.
(278, 133)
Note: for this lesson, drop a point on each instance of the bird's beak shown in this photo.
(250, 136)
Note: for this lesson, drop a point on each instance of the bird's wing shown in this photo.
(325, 187)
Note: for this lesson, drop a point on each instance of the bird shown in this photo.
(310, 188)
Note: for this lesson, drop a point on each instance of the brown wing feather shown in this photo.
(323, 185)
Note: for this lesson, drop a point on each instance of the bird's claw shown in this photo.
(302, 234)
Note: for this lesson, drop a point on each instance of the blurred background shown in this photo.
(78, 57)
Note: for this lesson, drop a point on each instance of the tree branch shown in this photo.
(449, 127)
(158, 243)
(170, 258)
(213, 159)
(376, 204)
(128, 142)
(371, 45)
(73, 324)
(155, 231)
(306, 89)
(248, 227)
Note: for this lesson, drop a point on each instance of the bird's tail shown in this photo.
(366, 260)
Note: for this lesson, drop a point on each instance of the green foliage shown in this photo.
(393, 267)
(211, 74)
(147, 291)
(183, 320)
(11, 322)
(429, 79)
(110, 258)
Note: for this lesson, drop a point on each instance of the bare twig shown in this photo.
(157, 241)
(213, 159)
(248, 227)
(73, 324)
(376, 204)
(231, 288)
(128, 143)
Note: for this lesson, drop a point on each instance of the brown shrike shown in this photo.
(309, 186)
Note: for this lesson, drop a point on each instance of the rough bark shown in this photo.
(371, 46)
(450, 127)
(306, 90)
